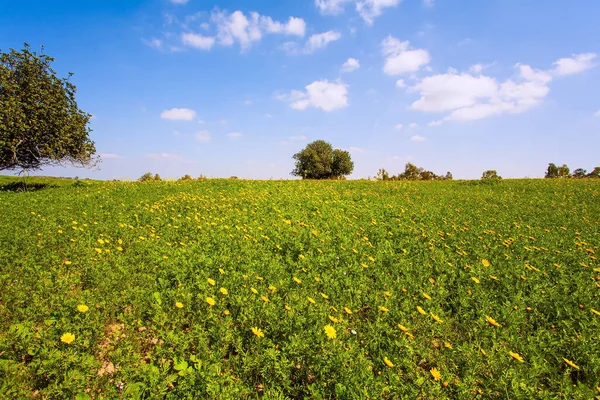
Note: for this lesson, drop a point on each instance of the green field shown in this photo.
(292, 289)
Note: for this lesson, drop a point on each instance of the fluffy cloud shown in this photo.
(183, 114)
(350, 65)
(370, 9)
(198, 41)
(468, 97)
(573, 65)
(239, 28)
(203, 136)
(321, 40)
(418, 138)
(367, 9)
(400, 84)
(325, 95)
(400, 58)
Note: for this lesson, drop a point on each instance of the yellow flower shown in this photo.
(485, 263)
(387, 294)
(447, 345)
(421, 311)
(333, 319)
(388, 362)
(119, 248)
(492, 321)
(323, 295)
(364, 265)
(571, 363)
(288, 308)
(516, 356)
(348, 311)
(383, 309)
(310, 299)
(254, 290)
(595, 312)
(211, 281)
(82, 308)
(100, 241)
(97, 250)
(298, 281)
(475, 279)
(265, 299)
(211, 301)
(435, 373)
(223, 291)
(428, 297)
(330, 332)
(67, 338)
(258, 332)
(221, 271)
(226, 312)
(403, 328)
(437, 319)
(272, 289)
(179, 304)
(68, 263)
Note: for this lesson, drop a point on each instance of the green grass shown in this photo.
(131, 252)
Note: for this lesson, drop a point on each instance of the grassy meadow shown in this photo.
(232, 289)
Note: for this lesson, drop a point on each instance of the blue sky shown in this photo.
(228, 88)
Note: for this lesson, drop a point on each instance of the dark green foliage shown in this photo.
(320, 161)
(579, 173)
(147, 177)
(558, 172)
(40, 122)
(412, 173)
(490, 175)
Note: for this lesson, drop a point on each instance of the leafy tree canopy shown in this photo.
(40, 122)
(318, 160)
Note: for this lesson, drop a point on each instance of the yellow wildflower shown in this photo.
(179, 305)
(516, 356)
(383, 309)
(595, 312)
(485, 263)
(403, 328)
(436, 318)
(211, 301)
(272, 289)
(97, 250)
(435, 373)
(388, 362)
(323, 295)
(330, 332)
(82, 308)
(68, 263)
(428, 297)
(571, 363)
(211, 281)
(421, 311)
(223, 291)
(347, 310)
(288, 308)
(67, 338)
(265, 299)
(258, 332)
(492, 321)
(474, 279)
(333, 319)
(226, 312)
(254, 290)
(310, 299)
(298, 281)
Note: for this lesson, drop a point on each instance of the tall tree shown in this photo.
(579, 173)
(40, 122)
(318, 160)
(552, 171)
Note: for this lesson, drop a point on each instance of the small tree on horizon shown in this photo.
(318, 160)
(490, 174)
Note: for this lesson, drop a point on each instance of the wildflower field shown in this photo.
(228, 289)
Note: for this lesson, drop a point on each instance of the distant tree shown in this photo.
(40, 122)
(411, 172)
(157, 178)
(383, 175)
(552, 171)
(146, 177)
(579, 173)
(564, 171)
(428, 176)
(318, 160)
(595, 173)
(448, 176)
(186, 177)
(490, 174)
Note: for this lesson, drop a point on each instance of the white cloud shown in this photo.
(198, 41)
(245, 30)
(156, 43)
(235, 135)
(400, 58)
(294, 26)
(400, 84)
(203, 136)
(178, 1)
(577, 63)
(399, 126)
(350, 65)
(331, 7)
(183, 114)
(476, 69)
(105, 156)
(418, 138)
(321, 40)
(468, 97)
(370, 9)
(325, 95)
(428, 3)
